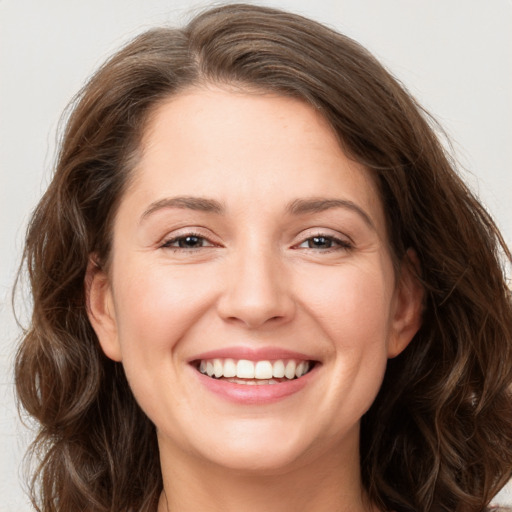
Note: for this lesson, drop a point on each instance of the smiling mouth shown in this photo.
(244, 371)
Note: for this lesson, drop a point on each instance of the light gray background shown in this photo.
(455, 56)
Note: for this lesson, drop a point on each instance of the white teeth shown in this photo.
(218, 368)
(253, 382)
(262, 372)
(278, 369)
(270, 381)
(245, 369)
(300, 369)
(289, 371)
(229, 368)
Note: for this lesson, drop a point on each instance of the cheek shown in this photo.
(157, 305)
(353, 304)
(155, 309)
(354, 312)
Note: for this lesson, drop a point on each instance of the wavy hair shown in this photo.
(439, 435)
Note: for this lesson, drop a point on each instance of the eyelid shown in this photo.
(168, 243)
(174, 236)
(342, 241)
(327, 232)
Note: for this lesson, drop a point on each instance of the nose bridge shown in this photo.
(257, 289)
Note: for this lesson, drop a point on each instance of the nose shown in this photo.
(257, 291)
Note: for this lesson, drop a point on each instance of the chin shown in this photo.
(257, 447)
(263, 461)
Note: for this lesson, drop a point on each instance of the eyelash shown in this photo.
(168, 243)
(339, 245)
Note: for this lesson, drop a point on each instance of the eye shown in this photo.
(325, 243)
(188, 241)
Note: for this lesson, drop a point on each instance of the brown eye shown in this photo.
(319, 242)
(187, 242)
(190, 242)
(324, 243)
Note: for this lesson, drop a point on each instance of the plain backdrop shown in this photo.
(455, 57)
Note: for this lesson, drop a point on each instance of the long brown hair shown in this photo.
(439, 435)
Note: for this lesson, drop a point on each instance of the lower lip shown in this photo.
(257, 394)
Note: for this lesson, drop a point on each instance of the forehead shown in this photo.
(243, 145)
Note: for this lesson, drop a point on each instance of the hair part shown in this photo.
(439, 435)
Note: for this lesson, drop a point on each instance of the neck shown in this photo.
(328, 483)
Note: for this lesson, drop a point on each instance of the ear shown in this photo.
(407, 315)
(100, 309)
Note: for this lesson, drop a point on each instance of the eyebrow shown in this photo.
(317, 205)
(296, 207)
(186, 203)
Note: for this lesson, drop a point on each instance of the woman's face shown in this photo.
(250, 246)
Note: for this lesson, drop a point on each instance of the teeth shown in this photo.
(262, 371)
(229, 368)
(289, 371)
(218, 368)
(302, 368)
(278, 369)
(253, 382)
(245, 369)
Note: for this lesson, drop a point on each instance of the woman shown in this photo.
(260, 285)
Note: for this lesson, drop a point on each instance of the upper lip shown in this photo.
(252, 354)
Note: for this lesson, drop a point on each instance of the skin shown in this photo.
(255, 278)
